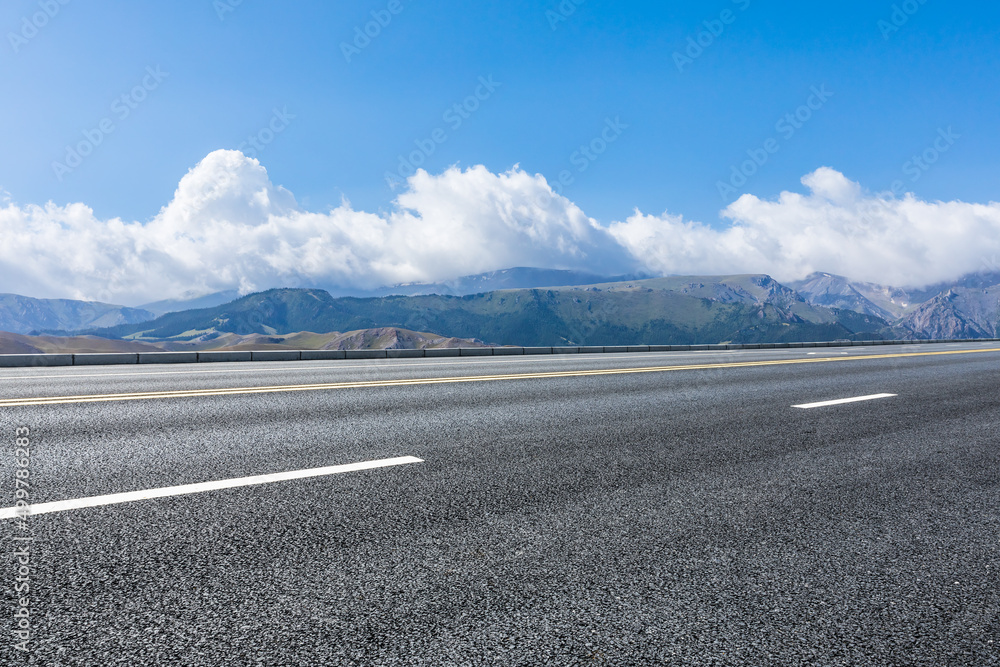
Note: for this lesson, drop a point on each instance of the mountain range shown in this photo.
(190, 301)
(23, 315)
(749, 308)
(966, 308)
(524, 306)
(517, 278)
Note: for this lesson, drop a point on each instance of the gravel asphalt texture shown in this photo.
(674, 518)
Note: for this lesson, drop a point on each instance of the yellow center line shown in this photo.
(235, 391)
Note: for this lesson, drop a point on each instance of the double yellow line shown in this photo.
(236, 391)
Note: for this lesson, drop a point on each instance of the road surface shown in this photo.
(617, 509)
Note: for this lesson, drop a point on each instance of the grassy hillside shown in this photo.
(659, 311)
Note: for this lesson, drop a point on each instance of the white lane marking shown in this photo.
(841, 401)
(114, 498)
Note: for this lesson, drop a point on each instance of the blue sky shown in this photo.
(152, 88)
(558, 86)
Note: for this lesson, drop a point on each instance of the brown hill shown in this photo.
(387, 338)
(384, 338)
(12, 343)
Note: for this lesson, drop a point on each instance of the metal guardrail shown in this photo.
(91, 359)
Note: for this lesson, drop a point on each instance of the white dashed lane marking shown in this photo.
(184, 489)
(841, 401)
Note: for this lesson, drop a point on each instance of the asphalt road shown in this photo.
(567, 514)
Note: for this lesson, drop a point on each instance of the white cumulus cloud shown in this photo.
(228, 226)
(837, 227)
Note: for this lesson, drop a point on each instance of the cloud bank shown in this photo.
(228, 226)
(837, 228)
